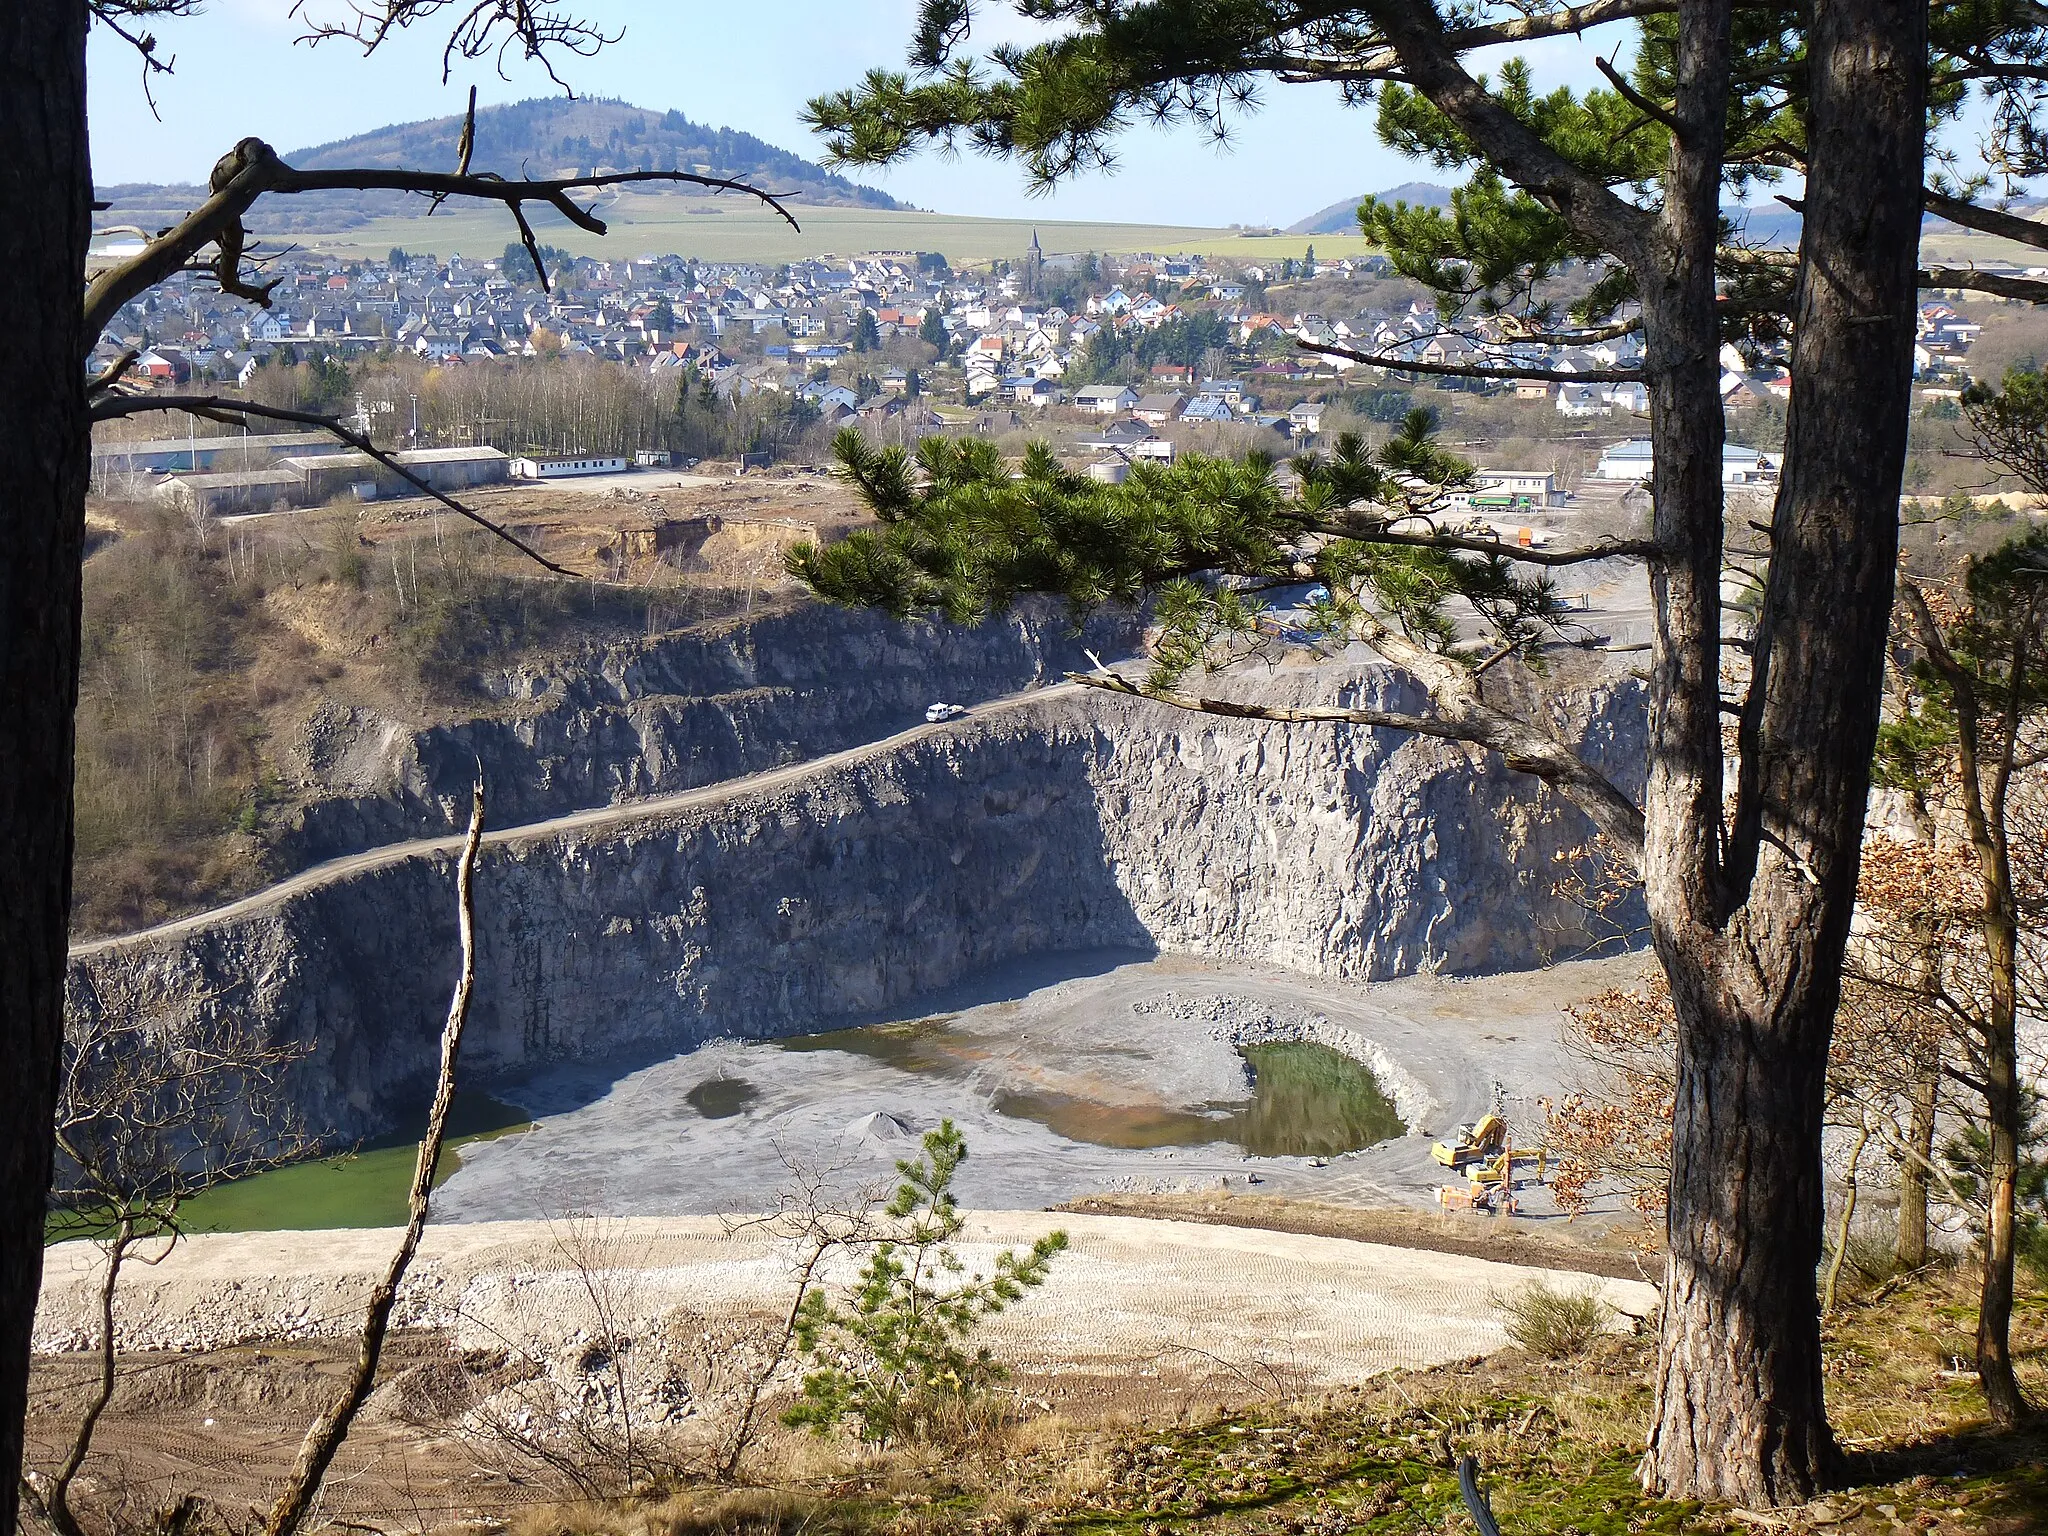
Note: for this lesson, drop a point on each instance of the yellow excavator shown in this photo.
(1490, 1181)
(1486, 1138)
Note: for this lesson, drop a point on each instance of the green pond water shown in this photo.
(366, 1187)
(1307, 1100)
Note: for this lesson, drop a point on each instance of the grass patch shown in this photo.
(1558, 1441)
(1555, 1325)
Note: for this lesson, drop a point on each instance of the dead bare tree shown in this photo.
(46, 247)
(814, 1219)
(600, 1417)
(152, 1112)
(325, 1436)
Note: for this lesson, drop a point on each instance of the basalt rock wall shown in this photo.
(1075, 822)
(655, 716)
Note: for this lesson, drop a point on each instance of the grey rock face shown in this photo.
(670, 713)
(1072, 822)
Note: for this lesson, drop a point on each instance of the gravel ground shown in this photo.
(1129, 1291)
(1115, 1031)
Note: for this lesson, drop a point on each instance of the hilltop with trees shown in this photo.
(546, 137)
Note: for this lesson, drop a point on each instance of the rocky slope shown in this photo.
(1073, 821)
(650, 717)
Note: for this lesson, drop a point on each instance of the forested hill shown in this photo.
(532, 138)
(556, 136)
(1341, 218)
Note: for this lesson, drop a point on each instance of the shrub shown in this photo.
(1555, 1324)
(891, 1358)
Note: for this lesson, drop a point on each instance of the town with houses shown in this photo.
(1122, 357)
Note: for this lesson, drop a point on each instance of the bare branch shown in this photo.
(1990, 221)
(325, 1435)
(465, 146)
(111, 374)
(253, 168)
(1634, 97)
(2004, 285)
(1475, 370)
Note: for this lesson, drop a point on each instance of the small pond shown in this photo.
(364, 1187)
(1307, 1100)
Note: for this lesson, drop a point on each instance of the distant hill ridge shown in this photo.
(541, 138)
(555, 135)
(1341, 218)
(1762, 224)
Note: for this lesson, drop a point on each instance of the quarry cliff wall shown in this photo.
(1072, 821)
(672, 712)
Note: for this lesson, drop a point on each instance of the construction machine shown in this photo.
(1485, 1138)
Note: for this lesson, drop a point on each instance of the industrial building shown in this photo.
(311, 480)
(557, 469)
(207, 455)
(232, 493)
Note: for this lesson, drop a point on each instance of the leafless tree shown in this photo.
(45, 247)
(601, 1416)
(324, 1437)
(151, 1112)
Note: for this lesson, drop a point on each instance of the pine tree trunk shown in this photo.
(1740, 1413)
(46, 189)
(1752, 939)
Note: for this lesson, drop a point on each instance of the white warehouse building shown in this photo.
(555, 469)
(1631, 460)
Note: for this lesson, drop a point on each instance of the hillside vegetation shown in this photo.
(205, 650)
(562, 136)
(547, 137)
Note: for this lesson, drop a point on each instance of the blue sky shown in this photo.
(240, 71)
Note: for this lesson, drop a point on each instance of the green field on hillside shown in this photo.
(739, 229)
(1962, 248)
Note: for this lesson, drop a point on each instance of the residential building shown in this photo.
(1106, 399)
(1159, 409)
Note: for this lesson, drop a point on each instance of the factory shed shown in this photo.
(224, 495)
(357, 474)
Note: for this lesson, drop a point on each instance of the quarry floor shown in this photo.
(236, 1340)
(1113, 1035)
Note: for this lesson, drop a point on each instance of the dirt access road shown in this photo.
(1325, 1309)
(616, 814)
(236, 1341)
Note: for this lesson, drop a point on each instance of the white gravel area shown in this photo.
(1129, 1291)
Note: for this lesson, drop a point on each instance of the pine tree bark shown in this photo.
(46, 190)
(1752, 939)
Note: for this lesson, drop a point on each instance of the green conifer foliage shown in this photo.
(892, 1358)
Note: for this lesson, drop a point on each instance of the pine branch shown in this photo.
(1476, 370)
(1415, 34)
(1608, 549)
(1465, 717)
